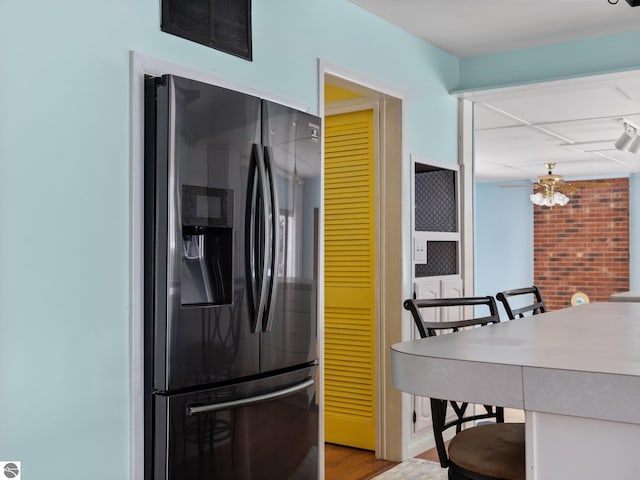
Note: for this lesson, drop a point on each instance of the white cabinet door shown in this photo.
(421, 415)
(451, 288)
(424, 289)
(427, 290)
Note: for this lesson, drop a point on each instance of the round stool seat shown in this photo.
(495, 450)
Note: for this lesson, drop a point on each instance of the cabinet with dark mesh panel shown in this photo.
(437, 249)
(436, 229)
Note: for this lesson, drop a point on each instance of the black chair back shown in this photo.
(509, 301)
(431, 329)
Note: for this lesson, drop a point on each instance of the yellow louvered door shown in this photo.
(349, 280)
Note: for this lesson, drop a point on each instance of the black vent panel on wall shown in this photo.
(221, 24)
(435, 201)
(442, 259)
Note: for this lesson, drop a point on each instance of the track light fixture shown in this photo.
(633, 3)
(629, 141)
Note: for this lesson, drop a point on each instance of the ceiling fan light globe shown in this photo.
(560, 199)
(537, 198)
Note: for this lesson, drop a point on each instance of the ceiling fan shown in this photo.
(557, 183)
(551, 189)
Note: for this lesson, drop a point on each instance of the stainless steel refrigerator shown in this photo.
(232, 182)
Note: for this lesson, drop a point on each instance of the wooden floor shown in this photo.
(343, 463)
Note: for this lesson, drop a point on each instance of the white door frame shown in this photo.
(391, 430)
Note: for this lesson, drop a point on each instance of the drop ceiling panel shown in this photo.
(584, 168)
(591, 167)
(486, 117)
(492, 172)
(569, 105)
(573, 123)
(521, 149)
(516, 140)
(606, 130)
(630, 162)
(594, 146)
(630, 87)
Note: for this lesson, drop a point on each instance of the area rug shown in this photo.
(414, 469)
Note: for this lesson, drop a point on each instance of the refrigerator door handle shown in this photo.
(174, 234)
(250, 238)
(267, 241)
(275, 242)
(216, 407)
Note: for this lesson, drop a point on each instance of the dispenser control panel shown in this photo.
(206, 206)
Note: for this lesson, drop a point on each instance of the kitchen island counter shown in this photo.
(575, 372)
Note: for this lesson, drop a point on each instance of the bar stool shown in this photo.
(493, 451)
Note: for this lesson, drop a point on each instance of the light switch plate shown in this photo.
(419, 250)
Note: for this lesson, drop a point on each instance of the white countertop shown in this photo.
(582, 361)
(625, 297)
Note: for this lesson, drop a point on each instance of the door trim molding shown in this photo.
(391, 428)
(465, 162)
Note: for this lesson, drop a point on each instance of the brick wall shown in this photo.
(584, 245)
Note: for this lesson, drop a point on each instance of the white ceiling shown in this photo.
(475, 27)
(573, 122)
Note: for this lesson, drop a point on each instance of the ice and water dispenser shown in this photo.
(207, 245)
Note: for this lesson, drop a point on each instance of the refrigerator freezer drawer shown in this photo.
(263, 429)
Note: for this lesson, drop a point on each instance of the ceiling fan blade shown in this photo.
(591, 184)
(567, 188)
(518, 186)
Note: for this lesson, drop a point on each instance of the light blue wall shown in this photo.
(503, 239)
(64, 202)
(64, 192)
(566, 60)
